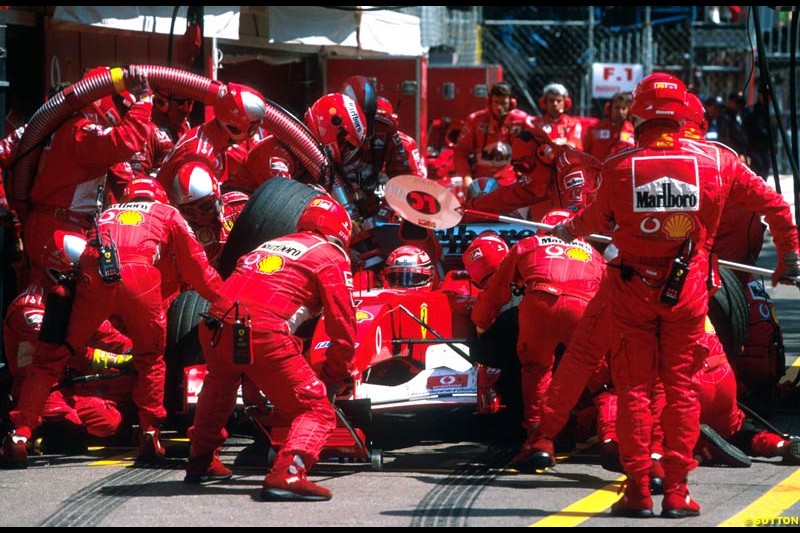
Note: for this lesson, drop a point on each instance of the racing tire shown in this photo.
(182, 350)
(183, 317)
(271, 212)
(730, 314)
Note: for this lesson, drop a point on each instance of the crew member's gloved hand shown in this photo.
(336, 385)
(562, 232)
(136, 82)
(788, 267)
(102, 360)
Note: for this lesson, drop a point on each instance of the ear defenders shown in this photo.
(555, 88)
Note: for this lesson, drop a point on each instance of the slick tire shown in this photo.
(183, 317)
(183, 348)
(730, 314)
(271, 212)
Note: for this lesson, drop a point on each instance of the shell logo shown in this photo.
(363, 316)
(578, 254)
(130, 218)
(321, 202)
(678, 226)
(270, 264)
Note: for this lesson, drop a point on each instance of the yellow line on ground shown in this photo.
(792, 371)
(585, 508)
(126, 458)
(770, 505)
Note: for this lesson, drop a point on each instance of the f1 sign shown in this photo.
(610, 78)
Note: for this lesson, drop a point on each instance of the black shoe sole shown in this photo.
(537, 461)
(199, 479)
(793, 453)
(633, 513)
(678, 513)
(282, 495)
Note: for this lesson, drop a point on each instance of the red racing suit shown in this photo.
(559, 280)
(95, 405)
(483, 134)
(584, 364)
(143, 164)
(72, 166)
(269, 158)
(717, 385)
(207, 143)
(386, 154)
(145, 233)
(277, 286)
(564, 130)
(761, 362)
(568, 182)
(606, 137)
(658, 197)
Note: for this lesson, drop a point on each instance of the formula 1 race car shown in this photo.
(412, 353)
(414, 347)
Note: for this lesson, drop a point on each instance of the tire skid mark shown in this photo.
(94, 502)
(449, 503)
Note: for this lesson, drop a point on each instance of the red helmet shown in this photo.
(233, 203)
(659, 96)
(483, 255)
(481, 186)
(240, 111)
(62, 253)
(325, 215)
(144, 189)
(556, 216)
(339, 124)
(196, 193)
(360, 89)
(408, 267)
(696, 113)
(385, 109)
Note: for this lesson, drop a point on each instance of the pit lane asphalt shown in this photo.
(442, 468)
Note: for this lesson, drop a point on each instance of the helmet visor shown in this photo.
(406, 278)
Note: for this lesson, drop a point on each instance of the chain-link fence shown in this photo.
(712, 48)
(716, 59)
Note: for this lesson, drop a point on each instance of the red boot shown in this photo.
(150, 448)
(536, 454)
(636, 502)
(14, 453)
(287, 481)
(677, 502)
(206, 467)
(768, 444)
